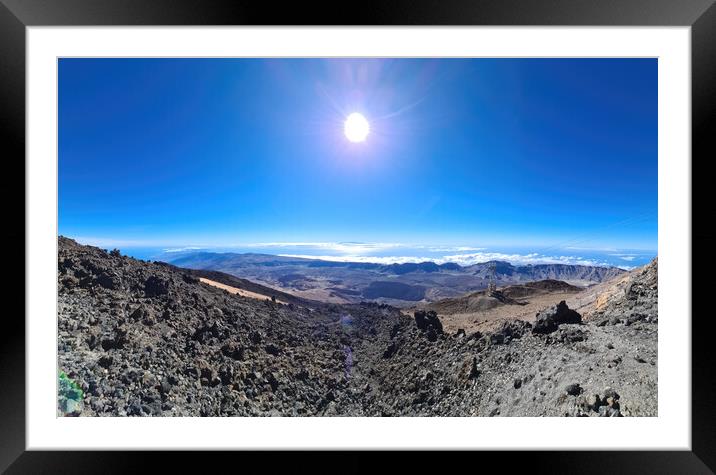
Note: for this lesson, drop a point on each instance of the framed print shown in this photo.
(471, 226)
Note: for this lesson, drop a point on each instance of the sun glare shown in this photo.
(356, 127)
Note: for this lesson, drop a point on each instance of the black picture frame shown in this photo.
(700, 15)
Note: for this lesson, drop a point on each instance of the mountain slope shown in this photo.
(510, 295)
(630, 297)
(244, 284)
(147, 339)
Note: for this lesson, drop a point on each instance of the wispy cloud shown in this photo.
(454, 248)
(365, 259)
(627, 257)
(184, 249)
(353, 249)
(348, 248)
(521, 259)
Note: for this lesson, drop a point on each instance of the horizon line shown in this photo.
(340, 245)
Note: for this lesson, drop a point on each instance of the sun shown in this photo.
(356, 127)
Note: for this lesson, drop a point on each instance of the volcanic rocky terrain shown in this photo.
(149, 339)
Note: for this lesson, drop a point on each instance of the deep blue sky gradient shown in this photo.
(533, 152)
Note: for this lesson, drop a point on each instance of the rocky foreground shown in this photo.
(148, 339)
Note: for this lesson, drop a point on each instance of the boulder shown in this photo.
(428, 322)
(547, 321)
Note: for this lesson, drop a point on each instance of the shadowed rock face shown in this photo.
(147, 339)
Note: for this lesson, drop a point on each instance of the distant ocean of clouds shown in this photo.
(391, 253)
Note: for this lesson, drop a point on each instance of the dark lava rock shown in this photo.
(116, 341)
(138, 314)
(428, 322)
(272, 349)
(70, 281)
(233, 351)
(390, 351)
(426, 319)
(273, 382)
(105, 361)
(255, 337)
(610, 393)
(165, 387)
(574, 389)
(109, 280)
(547, 321)
(474, 372)
(155, 286)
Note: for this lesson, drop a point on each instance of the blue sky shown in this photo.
(536, 153)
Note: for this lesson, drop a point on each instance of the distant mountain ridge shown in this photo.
(534, 271)
(268, 260)
(395, 284)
